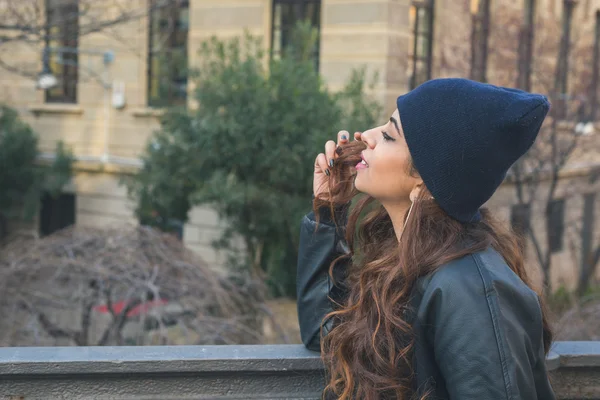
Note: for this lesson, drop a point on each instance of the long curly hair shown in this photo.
(368, 353)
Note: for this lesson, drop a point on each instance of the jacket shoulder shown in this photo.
(483, 327)
(475, 276)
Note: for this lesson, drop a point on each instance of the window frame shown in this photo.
(480, 33)
(427, 59)
(66, 62)
(561, 102)
(595, 69)
(173, 99)
(301, 7)
(525, 46)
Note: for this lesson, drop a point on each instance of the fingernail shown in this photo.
(331, 163)
(327, 172)
(343, 137)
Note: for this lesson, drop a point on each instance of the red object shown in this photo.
(135, 311)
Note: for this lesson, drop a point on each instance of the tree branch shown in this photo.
(49, 327)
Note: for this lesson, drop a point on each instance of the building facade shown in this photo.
(112, 89)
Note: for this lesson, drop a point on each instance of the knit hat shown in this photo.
(463, 137)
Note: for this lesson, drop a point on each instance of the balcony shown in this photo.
(218, 372)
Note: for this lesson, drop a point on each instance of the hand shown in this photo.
(325, 161)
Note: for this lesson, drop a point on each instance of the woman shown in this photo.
(408, 287)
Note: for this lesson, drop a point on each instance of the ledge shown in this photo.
(155, 359)
(111, 165)
(147, 112)
(575, 354)
(56, 108)
(243, 358)
(220, 372)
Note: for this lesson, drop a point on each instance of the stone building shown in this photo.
(107, 105)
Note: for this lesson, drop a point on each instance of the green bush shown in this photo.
(22, 178)
(248, 148)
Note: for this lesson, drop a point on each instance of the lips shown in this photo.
(363, 164)
(362, 156)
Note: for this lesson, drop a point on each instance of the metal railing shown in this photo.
(218, 372)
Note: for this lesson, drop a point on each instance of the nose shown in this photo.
(368, 138)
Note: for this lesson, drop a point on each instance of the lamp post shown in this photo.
(47, 80)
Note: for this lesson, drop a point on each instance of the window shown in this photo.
(595, 70)
(167, 53)
(556, 224)
(62, 30)
(480, 17)
(56, 213)
(526, 46)
(286, 14)
(520, 217)
(562, 68)
(421, 14)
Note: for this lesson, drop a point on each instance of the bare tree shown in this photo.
(542, 59)
(127, 285)
(31, 24)
(540, 167)
(590, 253)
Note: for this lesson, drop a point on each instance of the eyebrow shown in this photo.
(393, 121)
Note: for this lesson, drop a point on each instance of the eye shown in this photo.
(387, 137)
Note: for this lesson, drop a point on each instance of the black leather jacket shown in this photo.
(478, 326)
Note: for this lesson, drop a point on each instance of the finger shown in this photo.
(343, 137)
(358, 136)
(330, 152)
(321, 164)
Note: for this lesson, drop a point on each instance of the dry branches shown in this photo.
(127, 285)
(26, 26)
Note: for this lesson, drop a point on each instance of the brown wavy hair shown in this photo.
(368, 353)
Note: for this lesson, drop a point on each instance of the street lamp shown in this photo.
(46, 79)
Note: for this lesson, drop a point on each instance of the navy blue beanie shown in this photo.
(463, 137)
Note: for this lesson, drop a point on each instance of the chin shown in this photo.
(359, 185)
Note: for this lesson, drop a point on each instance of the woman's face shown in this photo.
(385, 173)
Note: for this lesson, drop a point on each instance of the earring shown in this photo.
(412, 203)
(407, 217)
